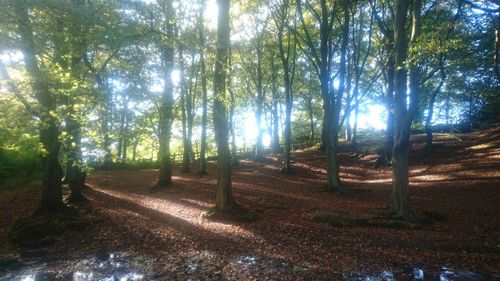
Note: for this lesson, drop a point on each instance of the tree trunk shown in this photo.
(167, 101)
(400, 205)
(234, 156)
(389, 132)
(354, 140)
(224, 195)
(190, 104)
(185, 145)
(49, 130)
(204, 100)
(75, 177)
(259, 146)
(310, 113)
(274, 114)
(496, 58)
(287, 168)
(337, 103)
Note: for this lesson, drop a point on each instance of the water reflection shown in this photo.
(120, 267)
(445, 274)
(247, 261)
(418, 274)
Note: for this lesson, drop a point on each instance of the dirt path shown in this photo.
(163, 235)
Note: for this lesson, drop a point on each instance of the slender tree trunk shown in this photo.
(234, 156)
(134, 149)
(400, 203)
(496, 56)
(167, 101)
(327, 89)
(204, 100)
(287, 168)
(275, 132)
(389, 131)
(259, 146)
(275, 117)
(430, 110)
(186, 148)
(49, 129)
(190, 104)
(337, 104)
(287, 56)
(74, 174)
(105, 114)
(348, 99)
(224, 195)
(310, 113)
(354, 140)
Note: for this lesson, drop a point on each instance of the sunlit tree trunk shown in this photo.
(224, 195)
(49, 128)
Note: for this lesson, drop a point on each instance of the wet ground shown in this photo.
(202, 266)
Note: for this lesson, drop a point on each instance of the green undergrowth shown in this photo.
(19, 169)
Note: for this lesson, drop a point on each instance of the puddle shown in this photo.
(445, 274)
(206, 265)
(247, 261)
(104, 267)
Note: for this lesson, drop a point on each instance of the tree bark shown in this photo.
(275, 139)
(234, 156)
(49, 129)
(224, 195)
(167, 100)
(400, 203)
(287, 56)
(204, 100)
(183, 89)
(259, 146)
(309, 104)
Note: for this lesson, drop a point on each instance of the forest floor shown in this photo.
(127, 233)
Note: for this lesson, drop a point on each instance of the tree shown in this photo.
(287, 54)
(166, 47)
(321, 59)
(403, 116)
(224, 197)
(49, 123)
(204, 99)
